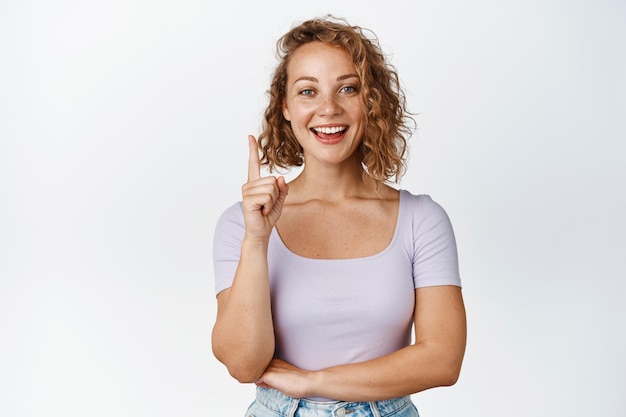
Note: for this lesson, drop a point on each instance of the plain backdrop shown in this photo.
(123, 131)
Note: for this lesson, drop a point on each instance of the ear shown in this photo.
(286, 112)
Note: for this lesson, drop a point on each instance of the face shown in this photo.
(323, 104)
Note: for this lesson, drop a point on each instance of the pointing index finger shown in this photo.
(254, 166)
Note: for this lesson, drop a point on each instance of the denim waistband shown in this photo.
(287, 406)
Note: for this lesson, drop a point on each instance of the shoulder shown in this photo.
(230, 221)
(432, 241)
(231, 213)
(420, 204)
(229, 232)
(424, 215)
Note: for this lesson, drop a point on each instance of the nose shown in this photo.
(329, 106)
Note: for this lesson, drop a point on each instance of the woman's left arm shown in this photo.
(433, 360)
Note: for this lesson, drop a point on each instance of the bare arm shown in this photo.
(243, 335)
(433, 360)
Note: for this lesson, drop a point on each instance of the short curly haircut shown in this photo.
(388, 123)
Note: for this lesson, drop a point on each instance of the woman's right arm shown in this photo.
(243, 335)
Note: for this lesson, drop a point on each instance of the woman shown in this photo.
(320, 281)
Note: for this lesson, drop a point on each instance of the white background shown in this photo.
(123, 136)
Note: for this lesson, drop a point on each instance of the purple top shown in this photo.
(338, 311)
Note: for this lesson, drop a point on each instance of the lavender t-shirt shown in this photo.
(337, 311)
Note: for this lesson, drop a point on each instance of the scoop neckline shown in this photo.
(276, 236)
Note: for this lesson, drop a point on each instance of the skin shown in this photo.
(342, 206)
(246, 305)
(323, 91)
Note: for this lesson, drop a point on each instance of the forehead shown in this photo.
(316, 58)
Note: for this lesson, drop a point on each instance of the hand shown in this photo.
(263, 198)
(286, 378)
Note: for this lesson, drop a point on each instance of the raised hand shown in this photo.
(263, 198)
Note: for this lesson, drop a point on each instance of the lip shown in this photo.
(331, 140)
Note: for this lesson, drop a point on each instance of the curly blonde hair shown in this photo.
(388, 123)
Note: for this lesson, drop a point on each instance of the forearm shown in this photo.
(404, 372)
(243, 335)
(434, 360)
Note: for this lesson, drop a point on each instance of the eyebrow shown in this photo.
(313, 79)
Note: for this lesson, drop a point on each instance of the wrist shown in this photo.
(254, 243)
(316, 384)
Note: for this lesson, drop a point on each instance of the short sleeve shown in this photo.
(435, 258)
(229, 232)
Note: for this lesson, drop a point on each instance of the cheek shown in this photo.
(297, 114)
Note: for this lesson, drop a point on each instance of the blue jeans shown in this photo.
(271, 403)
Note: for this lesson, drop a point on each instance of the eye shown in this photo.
(348, 89)
(306, 92)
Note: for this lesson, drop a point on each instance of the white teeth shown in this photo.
(329, 130)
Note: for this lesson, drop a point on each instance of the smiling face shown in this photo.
(323, 103)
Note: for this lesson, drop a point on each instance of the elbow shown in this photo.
(244, 369)
(450, 363)
(247, 370)
(246, 363)
(445, 369)
(245, 374)
(449, 374)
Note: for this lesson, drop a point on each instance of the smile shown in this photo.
(329, 135)
(329, 130)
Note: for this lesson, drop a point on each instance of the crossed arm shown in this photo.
(434, 359)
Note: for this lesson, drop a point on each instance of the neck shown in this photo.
(334, 183)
